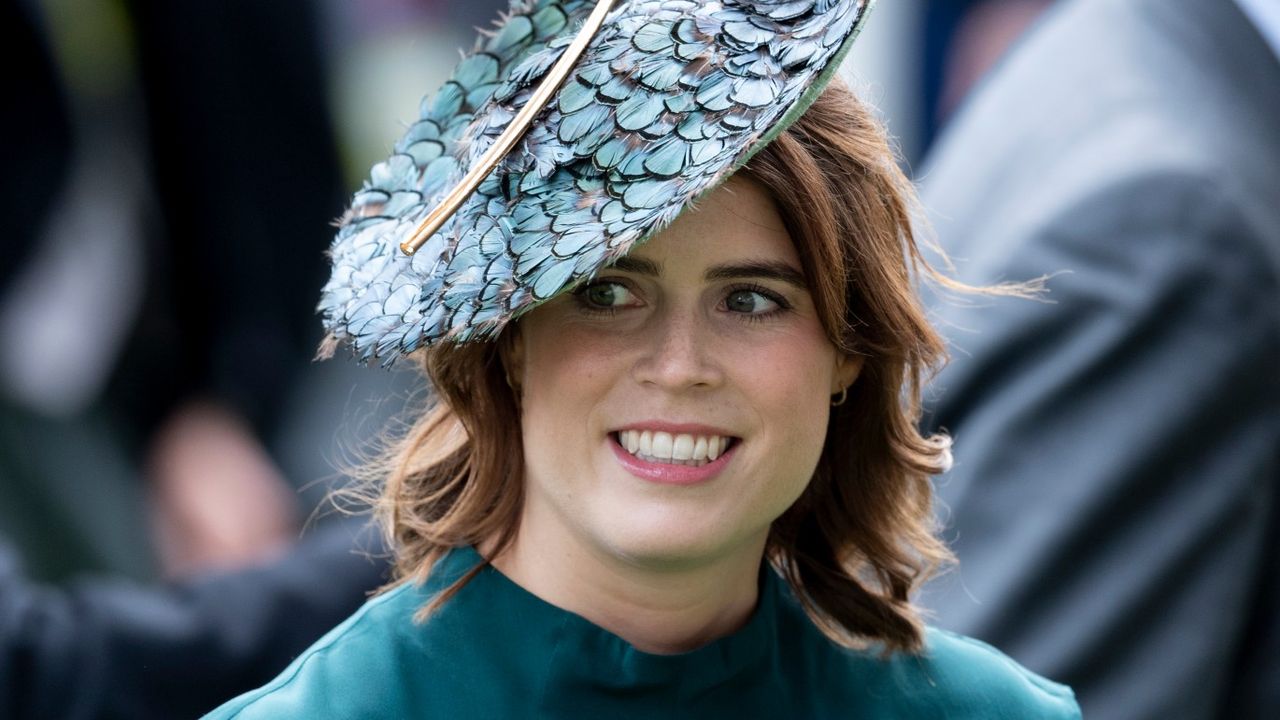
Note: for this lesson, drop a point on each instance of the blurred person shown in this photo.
(1114, 502)
(104, 648)
(244, 162)
(71, 498)
(672, 467)
(172, 169)
(985, 32)
(72, 221)
(961, 41)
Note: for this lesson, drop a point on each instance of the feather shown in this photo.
(575, 96)
(658, 72)
(640, 110)
(549, 21)
(747, 33)
(575, 126)
(754, 92)
(551, 279)
(571, 243)
(668, 159)
(476, 70)
(517, 31)
(448, 101)
(645, 194)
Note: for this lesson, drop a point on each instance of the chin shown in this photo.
(667, 539)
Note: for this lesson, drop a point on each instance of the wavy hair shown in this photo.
(861, 537)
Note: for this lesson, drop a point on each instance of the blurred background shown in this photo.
(172, 170)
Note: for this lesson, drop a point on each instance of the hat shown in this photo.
(573, 131)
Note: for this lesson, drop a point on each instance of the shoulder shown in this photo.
(349, 671)
(1057, 143)
(959, 677)
(952, 678)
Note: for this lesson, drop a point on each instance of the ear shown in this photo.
(848, 367)
(511, 354)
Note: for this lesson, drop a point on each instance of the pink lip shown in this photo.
(670, 474)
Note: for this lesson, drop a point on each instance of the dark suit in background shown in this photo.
(102, 649)
(1114, 498)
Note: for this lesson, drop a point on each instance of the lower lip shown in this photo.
(670, 474)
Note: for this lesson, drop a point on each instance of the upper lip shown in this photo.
(675, 428)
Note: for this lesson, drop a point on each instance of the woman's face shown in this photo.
(676, 405)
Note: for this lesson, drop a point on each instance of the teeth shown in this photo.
(662, 445)
(700, 449)
(681, 449)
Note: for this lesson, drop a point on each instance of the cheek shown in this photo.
(566, 374)
(789, 385)
(791, 373)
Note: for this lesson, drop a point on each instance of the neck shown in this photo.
(658, 607)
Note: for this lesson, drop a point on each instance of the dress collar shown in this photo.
(581, 656)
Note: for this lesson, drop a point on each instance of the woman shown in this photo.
(675, 478)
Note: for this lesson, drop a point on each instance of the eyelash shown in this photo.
(775, 298)
(579, 296)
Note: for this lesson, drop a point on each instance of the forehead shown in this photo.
(736, 221)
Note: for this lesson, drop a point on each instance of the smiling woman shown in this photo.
(672, 467)
(699, 341)
(743, 321)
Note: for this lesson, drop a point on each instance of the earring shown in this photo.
(844, 395)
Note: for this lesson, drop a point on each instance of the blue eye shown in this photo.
(751, 302)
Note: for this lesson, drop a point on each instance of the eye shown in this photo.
(752, 302)
(605, 294)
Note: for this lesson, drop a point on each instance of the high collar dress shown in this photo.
(497, 651)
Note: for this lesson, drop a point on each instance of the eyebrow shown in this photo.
(764, 269)
(639, 266)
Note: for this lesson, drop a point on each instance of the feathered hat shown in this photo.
(573, 131)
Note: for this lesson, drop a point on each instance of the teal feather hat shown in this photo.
(668, 98)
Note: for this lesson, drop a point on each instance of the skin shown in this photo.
(658, 338)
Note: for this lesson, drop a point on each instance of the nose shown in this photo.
(678, 353)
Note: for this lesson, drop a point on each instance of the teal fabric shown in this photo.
(496, 651)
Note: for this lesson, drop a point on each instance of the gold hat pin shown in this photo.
(513, 133)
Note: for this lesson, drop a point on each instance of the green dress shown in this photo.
(497, 651)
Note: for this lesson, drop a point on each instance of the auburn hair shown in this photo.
(861, 537)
